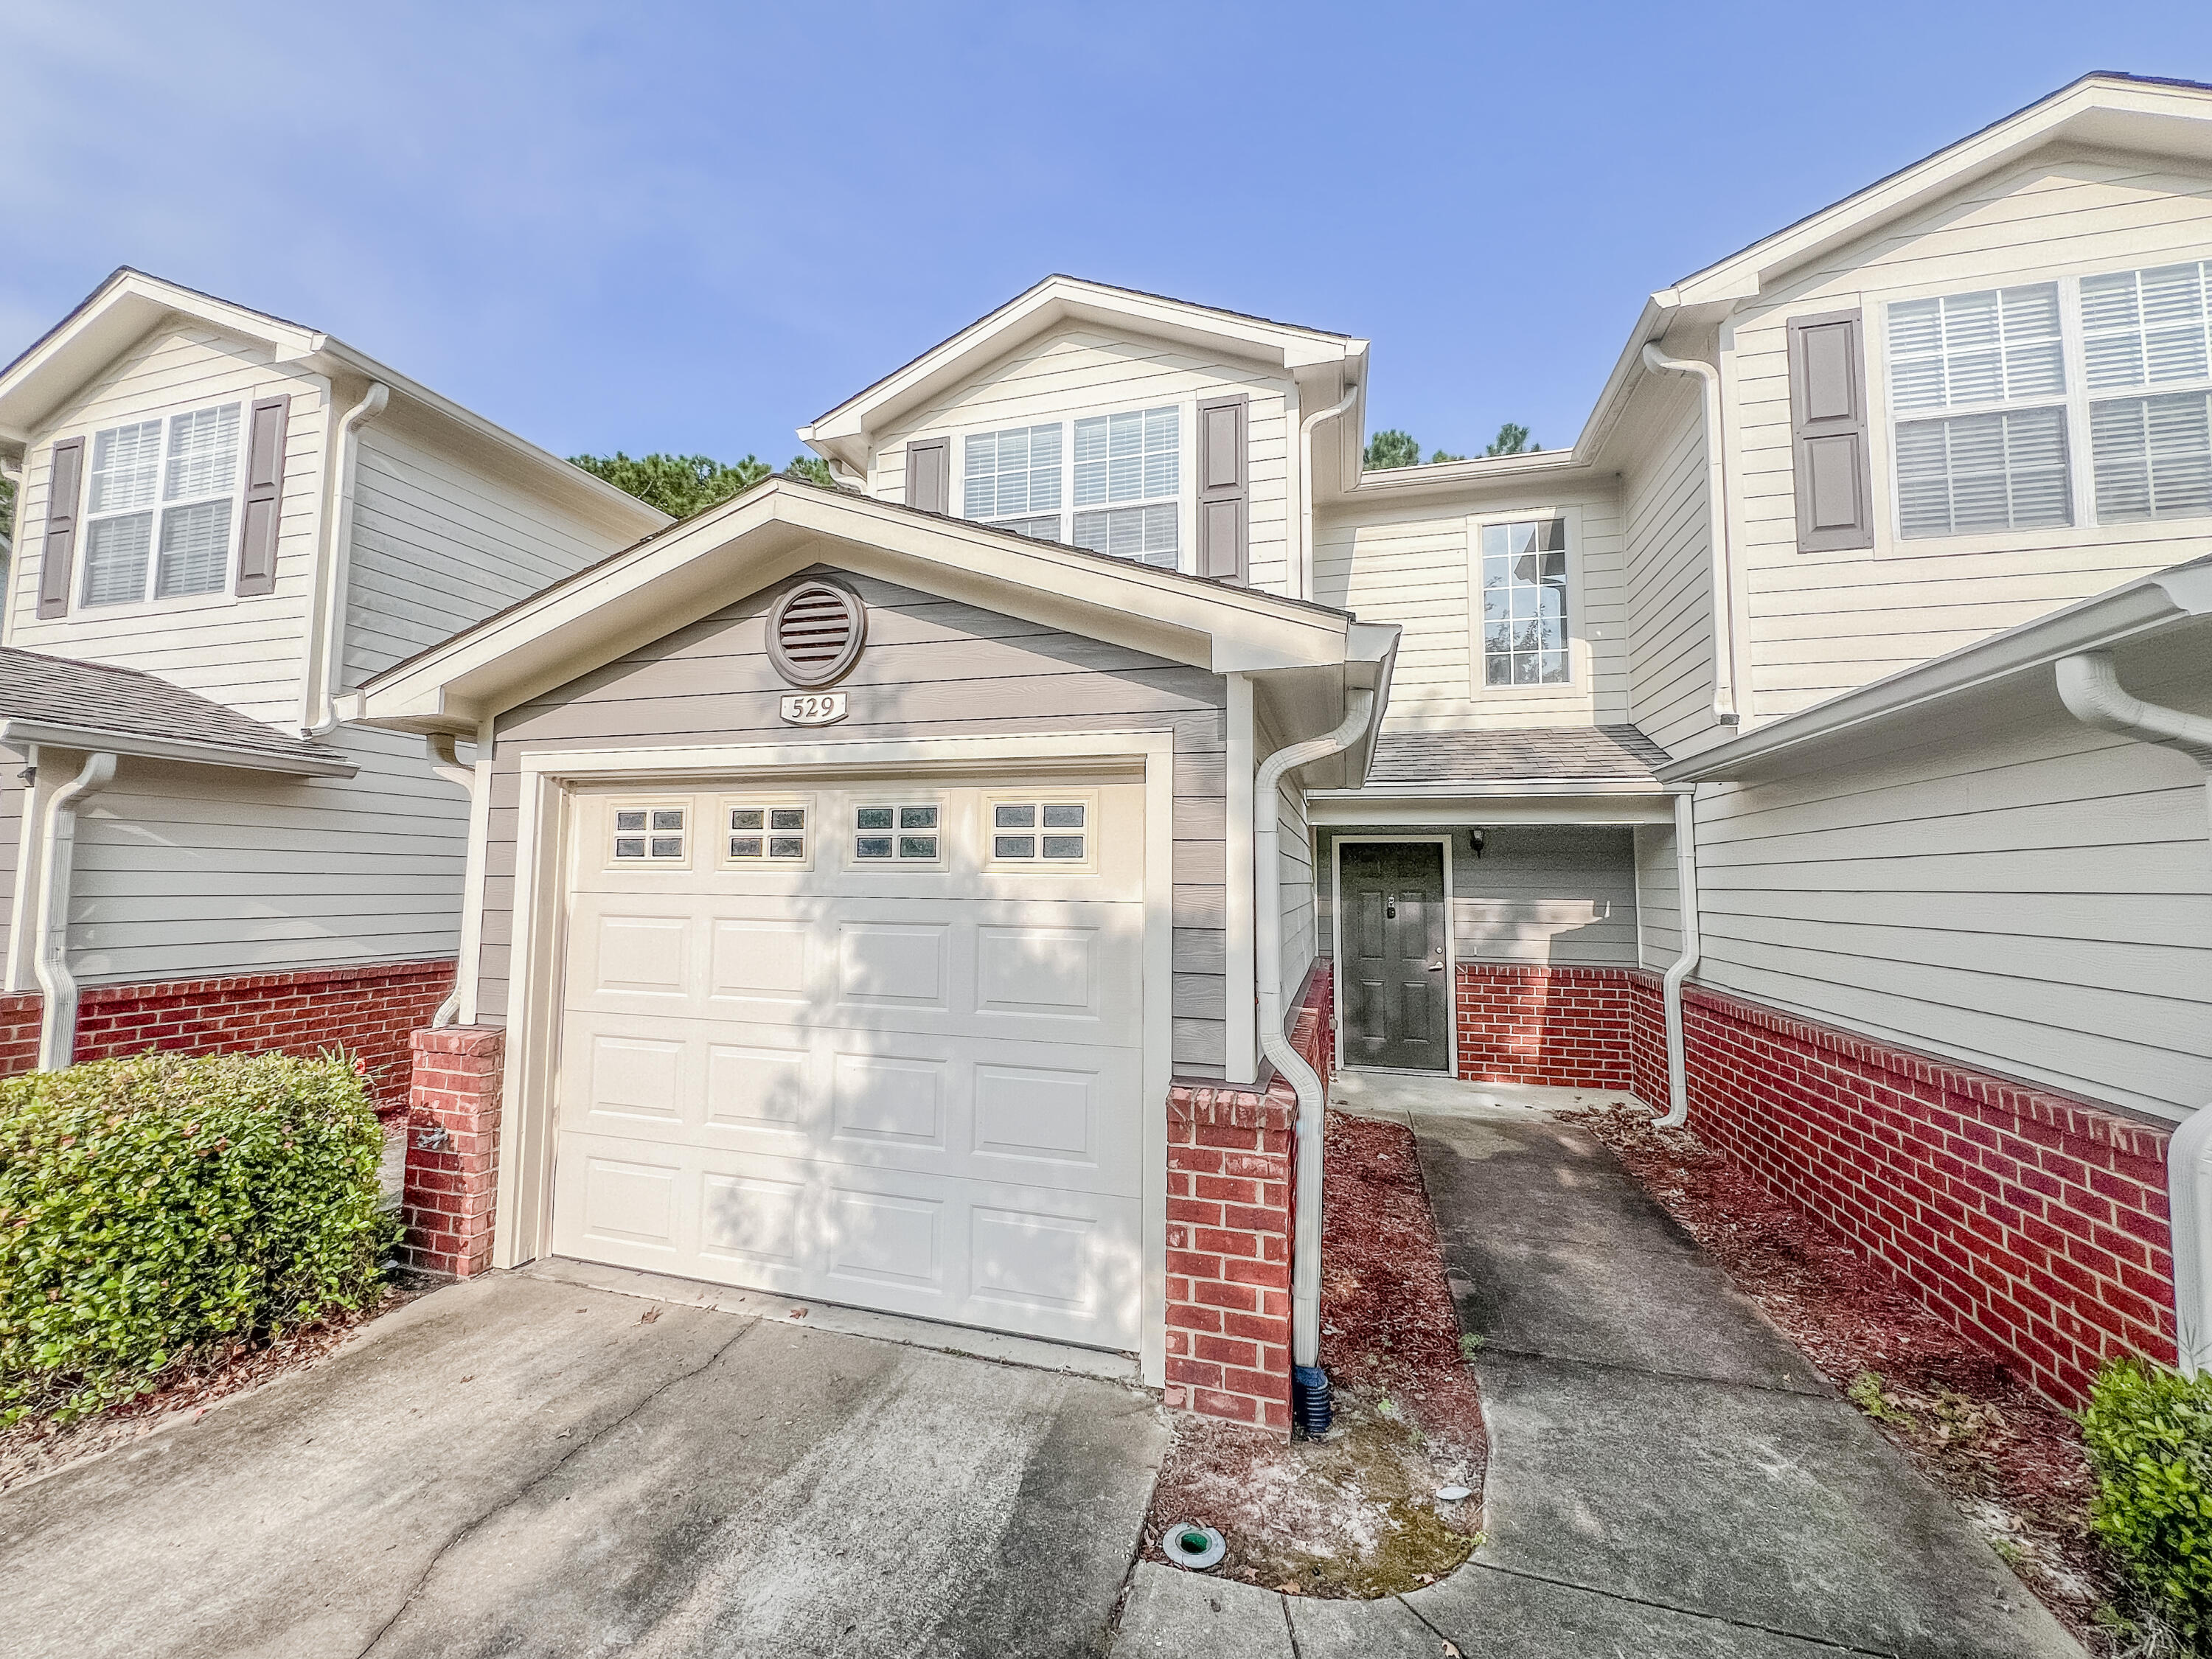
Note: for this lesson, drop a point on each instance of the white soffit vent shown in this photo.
(814, 632)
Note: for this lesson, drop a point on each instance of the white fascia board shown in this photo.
(2103, 111)
(1476, 473)
(1389, 807)
(1487, 788)
(780, 526)
(1065, 298)
(2142, 607)
(21, 734)
(118, 314)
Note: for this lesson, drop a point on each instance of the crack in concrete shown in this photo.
(1289, 1629)
(1828, 1642)
(1795, 1391)
(469, 1528)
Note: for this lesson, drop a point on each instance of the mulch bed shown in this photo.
(2011, 1459)
(1354, 1515)
(185, 1392)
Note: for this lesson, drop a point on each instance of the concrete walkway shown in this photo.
(1667, 1475)
(522, 1466)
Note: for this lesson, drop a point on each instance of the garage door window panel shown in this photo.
(905, 834)
(650, 833)
(768, 834)
(1042, 832)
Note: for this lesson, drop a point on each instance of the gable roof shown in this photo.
(2104, 109)
(65, 703)
(780, 526)
(1314, 355)
(129, 304)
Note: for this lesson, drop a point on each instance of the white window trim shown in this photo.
(768, 802)
(551, 783)
(2087, 528)
(850, 833)
(649, 804)
(222, 595)
(1580, 664)
(1186, 497)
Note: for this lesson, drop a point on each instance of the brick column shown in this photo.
(452, 1149)
(1232, 1193)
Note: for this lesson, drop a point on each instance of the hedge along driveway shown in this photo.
(516, 1465)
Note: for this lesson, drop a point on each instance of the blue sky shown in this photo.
(693, 227)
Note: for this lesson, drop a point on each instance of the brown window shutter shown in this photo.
(929, 475)
(1828, 433)
(58, 548)
(264, 491)
(1223, 487)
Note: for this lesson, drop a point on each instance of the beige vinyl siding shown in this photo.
(1824, 623)
(190, 871)
(1658, 895)
(1560, 895)
(2037, 902)
(11, 848)
(1075, 372)
(438, 545)
(1301, 933)
(933, 668)
(246, 652)
(1669, 562)
(1417, 567)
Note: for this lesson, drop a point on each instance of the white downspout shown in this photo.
(2089, 685)
(1268, 967)
(1725, 664)
(1302, 570)
(471, 781)
(1670, 994)
(326, 616)
(58, 856)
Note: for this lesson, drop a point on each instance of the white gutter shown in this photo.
(1724, 664)
(1670, 989)
(2089, 685)
(1268, 967)
(327, 615)
(57, 857)
(1302, 574)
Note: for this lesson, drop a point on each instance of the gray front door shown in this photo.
(1397, 988)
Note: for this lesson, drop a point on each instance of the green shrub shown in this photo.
(157, 1208)
(2149, 1431)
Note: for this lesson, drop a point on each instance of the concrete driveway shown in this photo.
(522, 1466)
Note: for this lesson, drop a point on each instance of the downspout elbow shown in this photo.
(1723, 572)
(1671, 995)
(1304, 574)
(326, 635)
(1304, 1081)
(58, 988)
(446, 761)
(2089, 685)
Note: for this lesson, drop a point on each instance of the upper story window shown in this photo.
(1997, 358)
(2142, 330)
(2054, 403)
(158, 507)
(1121, 474)
(1524, 603)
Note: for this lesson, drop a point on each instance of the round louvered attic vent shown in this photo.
(814, 632)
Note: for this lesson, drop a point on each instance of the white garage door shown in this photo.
(875, 1044)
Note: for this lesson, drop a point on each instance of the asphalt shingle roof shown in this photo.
(1575, 754)
(62, 691)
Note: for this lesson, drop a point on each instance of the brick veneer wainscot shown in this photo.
(2030, 1221)
(452, 1149)
(369, 1010)
(1232, 1190)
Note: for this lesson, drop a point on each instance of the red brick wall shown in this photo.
(452, 1149)
(2034, 1222)
(1563, 1026)
(1232, 1180)
(370, 1011)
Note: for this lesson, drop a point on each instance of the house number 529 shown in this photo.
(813, 707)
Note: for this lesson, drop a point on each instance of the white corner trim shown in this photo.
(1241, 1061)
(544, 866)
